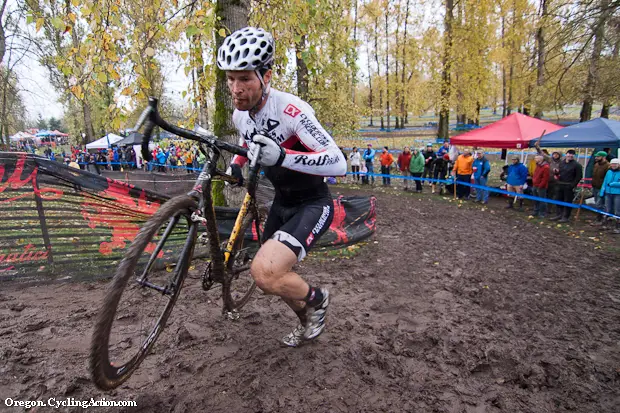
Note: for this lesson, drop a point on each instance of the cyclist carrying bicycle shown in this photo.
(296, 153)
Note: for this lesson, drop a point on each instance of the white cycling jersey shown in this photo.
(311, 152)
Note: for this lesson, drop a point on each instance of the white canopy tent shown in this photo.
(104, 142)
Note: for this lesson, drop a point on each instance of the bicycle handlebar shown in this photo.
(150, 117)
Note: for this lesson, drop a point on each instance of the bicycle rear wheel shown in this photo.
(240, 285)
(142, 293)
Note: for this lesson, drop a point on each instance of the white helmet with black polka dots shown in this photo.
(249, 48)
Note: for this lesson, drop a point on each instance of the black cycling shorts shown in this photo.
(299, 227)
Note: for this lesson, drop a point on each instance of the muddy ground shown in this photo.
(446, 309)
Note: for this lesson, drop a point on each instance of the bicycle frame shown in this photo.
(202, 191)
(202, 188)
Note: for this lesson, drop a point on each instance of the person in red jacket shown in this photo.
(540, 184)
(403, 164)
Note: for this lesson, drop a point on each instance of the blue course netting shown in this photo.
(413, 178)
(490, 189)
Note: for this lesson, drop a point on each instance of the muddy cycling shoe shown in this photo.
(316, 317)
(296, 337)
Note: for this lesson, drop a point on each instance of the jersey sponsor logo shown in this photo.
(292, 110)
(319, 225)
(315, 132)
(317, 160)
(272, 124)
(309, 239)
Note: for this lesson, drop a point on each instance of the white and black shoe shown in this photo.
(316, 317)
(296, 337)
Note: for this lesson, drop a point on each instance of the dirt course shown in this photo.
(446, 309)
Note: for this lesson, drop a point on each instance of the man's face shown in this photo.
(569, 157)
(515, 161)
(480, 155)
(555, 156)
(598, 158)
(369, 147)
(406, 149)
(245, 88)
(614, 166)
(538, 159)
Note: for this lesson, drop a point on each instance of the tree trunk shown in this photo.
(378, 69)
(199, 87)
(540, 66)
(591, 82)
(232, 15)
(444, 110)
(369, 84)
(396, 77)
(353, 77)
(387, 67)
(2, 34)
(403, 111)
(302, 69)
(88, 121)
(605, 110)
(504, 97)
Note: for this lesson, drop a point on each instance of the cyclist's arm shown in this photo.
(324, 157)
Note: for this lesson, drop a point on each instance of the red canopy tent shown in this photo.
(512, 132)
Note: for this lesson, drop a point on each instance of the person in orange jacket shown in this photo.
(463, 168)
(387, 160)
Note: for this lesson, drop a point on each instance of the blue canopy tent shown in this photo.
(599, 134)
(595, 133)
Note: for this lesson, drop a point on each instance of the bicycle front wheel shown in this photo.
(240, 285)
(142, 293)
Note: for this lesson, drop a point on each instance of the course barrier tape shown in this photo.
(490, 189)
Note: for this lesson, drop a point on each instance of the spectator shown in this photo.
(601, 166)
(369, 158)
(115, 159)
(440, 170)
(482, 168)
(386, 160)
(554, 163)
(611, 191)
(201, 159)
(516, 178)
(463, 168)
(429, 158)
(540, 183)
(74, 164)
(609, 156)
(161, 160)
(355, 159)
(416, 167)
(188, 161)
(404, 159)
(445, 148)
(92, 166)
(567, 176)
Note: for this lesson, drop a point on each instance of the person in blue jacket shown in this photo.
(115, 159)
(369, 157)
(161, 160)
(517, 177)
(611, 191)
(482, 168)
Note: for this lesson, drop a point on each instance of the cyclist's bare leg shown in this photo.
(271, 269)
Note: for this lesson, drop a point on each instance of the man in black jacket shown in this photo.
(568, 176)
(429, 158)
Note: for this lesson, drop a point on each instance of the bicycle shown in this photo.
(147, 262)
